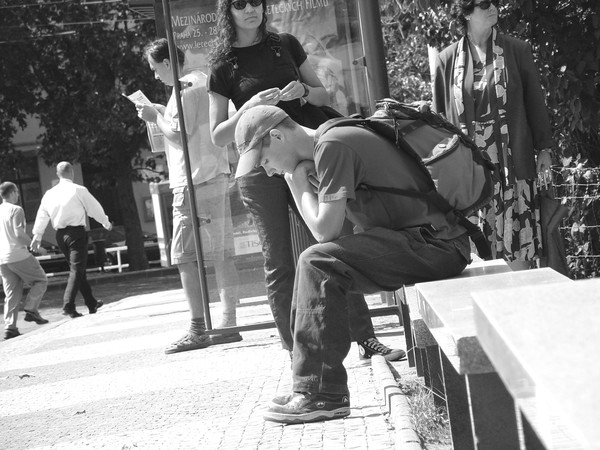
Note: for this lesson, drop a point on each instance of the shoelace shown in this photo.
(376, 346)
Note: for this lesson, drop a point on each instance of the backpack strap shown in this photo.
(453, 215)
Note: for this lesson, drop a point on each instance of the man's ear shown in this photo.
(276, 134)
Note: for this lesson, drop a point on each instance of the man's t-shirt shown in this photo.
(206, 159)
(347, 157)
(12, 218)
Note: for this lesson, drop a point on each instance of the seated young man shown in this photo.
(404, 241)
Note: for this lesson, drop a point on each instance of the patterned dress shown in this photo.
(511, 222)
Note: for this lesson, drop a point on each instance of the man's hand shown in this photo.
(146, 112)
(304, 177)
(35, 246)
(110, 226)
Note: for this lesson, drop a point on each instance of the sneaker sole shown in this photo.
(187, 348)
(39, 322)
(226, 338)
(313, 416)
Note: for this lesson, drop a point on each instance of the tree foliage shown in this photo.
(565, 37)
(68, 63)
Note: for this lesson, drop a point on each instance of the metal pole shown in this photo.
(188, 172)
(372, 39)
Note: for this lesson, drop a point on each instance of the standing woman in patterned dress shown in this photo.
(488, 85)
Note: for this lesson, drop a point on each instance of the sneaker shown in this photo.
(372, 346)
(280, 400)
(72, 313)
(226, 338)
(99, 305)
(11, 333)
(34, 316)
(190, 341)
(304, 407)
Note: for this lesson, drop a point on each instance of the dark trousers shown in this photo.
(368, 262)
(73, 242)
(267, 199)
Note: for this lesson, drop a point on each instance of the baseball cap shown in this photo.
(252, 127)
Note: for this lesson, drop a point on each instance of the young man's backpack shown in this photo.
(461, 176)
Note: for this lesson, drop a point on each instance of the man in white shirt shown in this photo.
(67, 205)
(17, 265)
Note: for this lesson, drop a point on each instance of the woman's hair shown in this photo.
(221, 45)
(158, 50)
(459, 12)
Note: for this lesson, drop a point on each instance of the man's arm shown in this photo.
(325, 219)
(93, 208)
(41, 222)
(19, 227)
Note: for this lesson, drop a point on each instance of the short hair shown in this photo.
(7, 188)
(158, 50)
(286, 124)
(64, 169)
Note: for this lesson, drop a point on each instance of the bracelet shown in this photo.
(306, 90)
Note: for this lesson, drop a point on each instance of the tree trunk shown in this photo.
(131, 221)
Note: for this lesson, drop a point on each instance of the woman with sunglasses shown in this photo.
(251, 66)
(488, 85)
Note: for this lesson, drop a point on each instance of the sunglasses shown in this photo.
(485, 4)
(241, 4)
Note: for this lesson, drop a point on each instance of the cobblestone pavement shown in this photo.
(103, 381)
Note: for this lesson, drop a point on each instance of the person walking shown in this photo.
(325, 174)
(251, 66)
(67, 206)
(210, 177)
(488, 85)
(17, 265)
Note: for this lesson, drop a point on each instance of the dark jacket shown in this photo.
(527, 116)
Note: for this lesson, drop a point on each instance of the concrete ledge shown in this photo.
(396, 404)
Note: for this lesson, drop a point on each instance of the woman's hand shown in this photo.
(146, 112)
(266, 97)
(544, 161)
(294, 90)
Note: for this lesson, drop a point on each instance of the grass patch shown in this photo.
(431, 422)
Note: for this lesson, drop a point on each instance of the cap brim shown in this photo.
(248, 161)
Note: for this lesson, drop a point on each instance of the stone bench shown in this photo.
(542, 341)
(481, 412)
(417, 335)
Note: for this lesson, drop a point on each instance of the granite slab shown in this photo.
(446, 306)
(543, 342)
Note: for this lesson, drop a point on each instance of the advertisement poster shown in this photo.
(327, 29)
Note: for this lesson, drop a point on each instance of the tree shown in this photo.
(78, 59)
(565, 37)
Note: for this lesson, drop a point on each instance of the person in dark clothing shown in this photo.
(251, 66)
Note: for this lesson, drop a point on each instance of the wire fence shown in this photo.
(578, 188)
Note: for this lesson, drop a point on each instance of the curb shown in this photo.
(397, 406)
(99, 277)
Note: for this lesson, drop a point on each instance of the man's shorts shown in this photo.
(214, 213)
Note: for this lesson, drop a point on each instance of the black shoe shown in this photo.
(11, 333)
(225, 338)
(72, 313)
(99, 305)
(372, 346)
(34, 316)
(304, 407)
